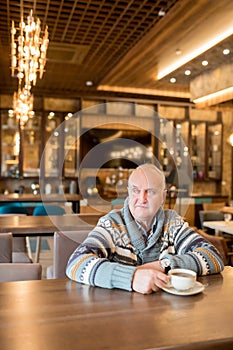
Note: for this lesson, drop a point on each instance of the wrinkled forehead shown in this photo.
(150, 177)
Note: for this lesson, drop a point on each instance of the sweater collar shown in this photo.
(136, 232)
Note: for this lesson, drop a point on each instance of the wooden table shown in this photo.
(51, 198)
(220, 226)
(61, 314)
(45, 225)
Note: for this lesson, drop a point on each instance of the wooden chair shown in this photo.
(13, 249)
(11, 271)
(221, 244)
(213, 206)
(210, 215)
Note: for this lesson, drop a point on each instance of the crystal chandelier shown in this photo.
(28, 58)
(23, 105)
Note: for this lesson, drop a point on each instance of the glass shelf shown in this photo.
(31, 145)
(10, 142)
(214, 151)
(198, 136)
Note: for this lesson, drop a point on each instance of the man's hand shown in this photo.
(149, 278)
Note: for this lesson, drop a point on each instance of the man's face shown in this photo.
(146, 194)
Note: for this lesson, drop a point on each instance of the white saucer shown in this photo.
(198, 288)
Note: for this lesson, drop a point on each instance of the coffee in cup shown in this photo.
(182, 279)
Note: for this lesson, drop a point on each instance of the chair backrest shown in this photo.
(43, 210)
(20, 272)
(13, 249)
(12, 208)
(219, 242)
(6, 242)
(213, 206)
(19, 243)
(64, 244)
(210, 215)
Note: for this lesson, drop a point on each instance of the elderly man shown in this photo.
(134, 247)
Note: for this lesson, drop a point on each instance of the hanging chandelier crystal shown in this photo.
(28, 58)
(28, 50)
(23, 105)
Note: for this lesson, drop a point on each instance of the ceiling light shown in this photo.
(161, 13)
(214, 95)
(51, 115)
(178, 52)
(28, 58)
(205, 63)
(89, 83)
(226, 51)
(187, 72)
(28, 50)
(23, 105)
(172, 80)
(230, 139)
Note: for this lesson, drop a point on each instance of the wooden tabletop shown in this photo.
(43, 225)
(61, 314)
(29, 197)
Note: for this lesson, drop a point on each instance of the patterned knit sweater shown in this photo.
(109, 255)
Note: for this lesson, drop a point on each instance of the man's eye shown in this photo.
(151, 192)
(135, 191)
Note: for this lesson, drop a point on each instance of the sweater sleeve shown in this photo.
(91, 263)
(191, 250)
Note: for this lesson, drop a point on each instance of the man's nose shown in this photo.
(143, 196)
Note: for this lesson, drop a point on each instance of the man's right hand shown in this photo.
(148, 280)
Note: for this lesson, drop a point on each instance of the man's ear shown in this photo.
(164, 196)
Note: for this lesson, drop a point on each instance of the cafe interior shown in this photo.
(89, 90)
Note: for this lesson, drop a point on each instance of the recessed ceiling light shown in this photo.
(226, 51)
(89, 83)
(205, 63)
(187, 72)
(172, 80)
(178, 52)
(161, 13)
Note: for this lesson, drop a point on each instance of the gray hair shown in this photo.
(152, 167)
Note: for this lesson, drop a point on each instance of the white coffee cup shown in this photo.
(182, 279)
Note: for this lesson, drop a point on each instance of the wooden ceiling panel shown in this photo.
(110, 42)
